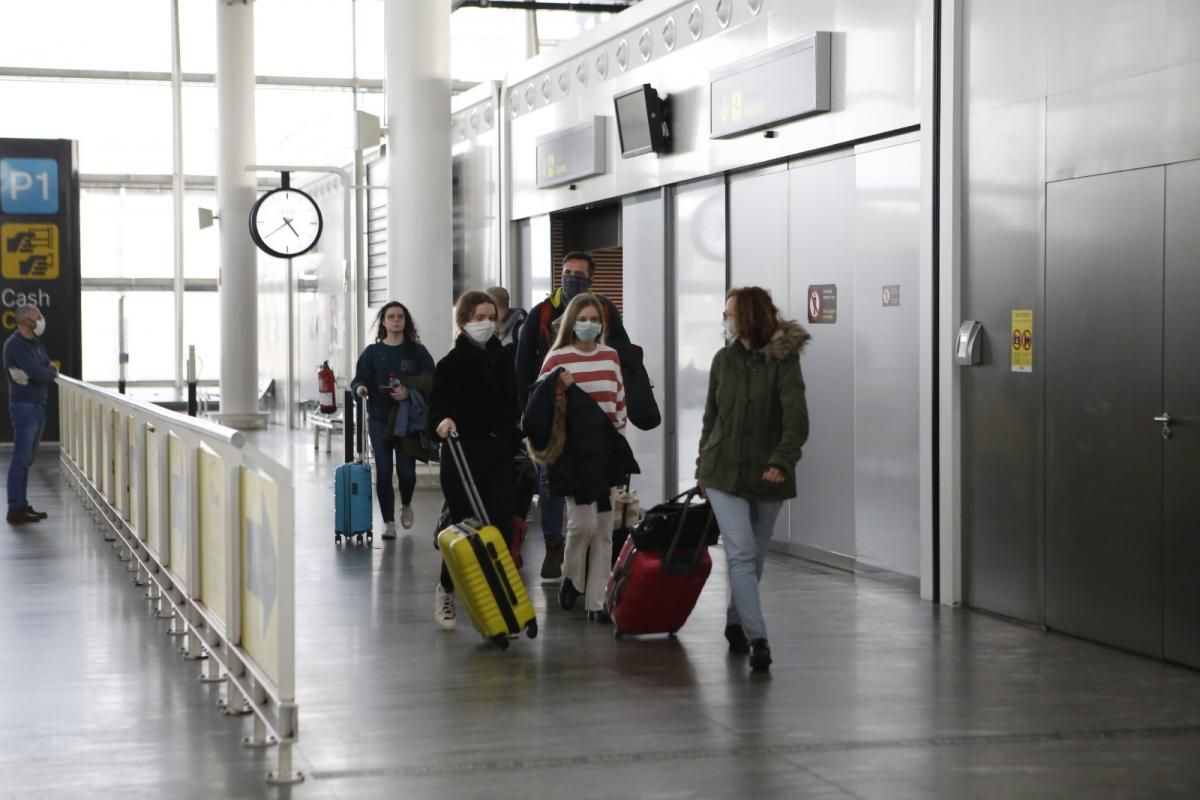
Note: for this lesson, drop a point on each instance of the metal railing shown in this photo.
(205, 520)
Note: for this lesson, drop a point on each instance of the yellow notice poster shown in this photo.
(260, 570)
(212, 533)
(1022, 340)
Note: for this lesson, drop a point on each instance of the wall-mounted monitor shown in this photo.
(642, 123)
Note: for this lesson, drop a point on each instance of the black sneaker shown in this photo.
(760, 655)
(736, 636)
(567, 595)
(35, 512)
(552, 563)
(599, 616)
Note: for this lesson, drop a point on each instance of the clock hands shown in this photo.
(287, 223)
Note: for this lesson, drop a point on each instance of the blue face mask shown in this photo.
(587, 331)
(574, 284)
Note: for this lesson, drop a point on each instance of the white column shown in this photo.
(235, 196)
(419, 176)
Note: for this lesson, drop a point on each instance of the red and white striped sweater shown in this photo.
(598, 373)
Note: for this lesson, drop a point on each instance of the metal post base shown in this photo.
(239, 710)
(285, 775)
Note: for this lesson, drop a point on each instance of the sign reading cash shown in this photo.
(782, 84)
(39, 253)
(571, 153)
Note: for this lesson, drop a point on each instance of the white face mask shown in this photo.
(730, 332)
(480, 331)
(39, 327)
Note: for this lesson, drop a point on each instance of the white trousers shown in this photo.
(587, 557)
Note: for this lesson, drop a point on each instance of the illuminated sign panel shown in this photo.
(784, 83)
(571, 153)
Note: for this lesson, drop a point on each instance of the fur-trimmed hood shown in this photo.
(789, 340)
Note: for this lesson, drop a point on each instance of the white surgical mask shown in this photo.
(730, 332)
(587, 331)
(39, 327)
(480, 331)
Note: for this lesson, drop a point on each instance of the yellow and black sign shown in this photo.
(29, 250)
(1022, 340)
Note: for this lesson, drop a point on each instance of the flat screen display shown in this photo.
(633, 124)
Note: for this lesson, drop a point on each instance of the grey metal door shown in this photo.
(1104, 380)
(1181, 349)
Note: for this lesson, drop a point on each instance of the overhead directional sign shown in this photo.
(783, 83)
(571, 153)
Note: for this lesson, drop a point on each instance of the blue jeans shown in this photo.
(746, 527)
(406, 470)
(552, 507)
(28, 421)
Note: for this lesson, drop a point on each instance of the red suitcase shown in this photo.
(655, 592)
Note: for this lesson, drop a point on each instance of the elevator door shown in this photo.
(1104, 386)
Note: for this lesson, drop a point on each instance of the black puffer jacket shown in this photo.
(587, 455)
(476, 388)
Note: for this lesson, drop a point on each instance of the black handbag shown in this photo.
(694, 521)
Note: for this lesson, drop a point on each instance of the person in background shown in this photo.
(475, 396)
(395, 375)
(537, 335)
(587, 454)
(29, 373)
(755, 424)
(509, 320)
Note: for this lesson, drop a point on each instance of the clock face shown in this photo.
(285, 223)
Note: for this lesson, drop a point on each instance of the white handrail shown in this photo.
(207, 520)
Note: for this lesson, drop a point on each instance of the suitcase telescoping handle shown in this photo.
(689, 495)
(348, 424)
(353, 426)
(468, 481)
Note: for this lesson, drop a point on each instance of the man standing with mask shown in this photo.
(30, 374)
(537, 335)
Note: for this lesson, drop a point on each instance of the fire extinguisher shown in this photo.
(326, 389)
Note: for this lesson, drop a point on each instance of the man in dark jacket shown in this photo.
(29, 374)
(508, 320)
(537, 334)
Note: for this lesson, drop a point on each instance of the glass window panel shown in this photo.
(485, 43)
(303, 37)
(84, 34)
(372, 60)
(150, 336)
(199, 130)
(198, 36)
(202, 328)
(201, 246)
(301, 126)
(555, 27)
(100, 115)
(98, 330)
(126, 233)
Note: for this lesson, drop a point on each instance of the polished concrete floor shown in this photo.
(874, 693)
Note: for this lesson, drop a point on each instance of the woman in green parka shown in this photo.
(755, 424)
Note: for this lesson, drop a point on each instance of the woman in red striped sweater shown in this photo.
(595, 368)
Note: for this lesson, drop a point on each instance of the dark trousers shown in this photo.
(491, 464)
(406, 470)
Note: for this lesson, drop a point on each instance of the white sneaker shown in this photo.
(406, 517)
(444, 612)
(389, 530)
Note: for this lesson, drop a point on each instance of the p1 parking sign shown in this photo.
(28, 186)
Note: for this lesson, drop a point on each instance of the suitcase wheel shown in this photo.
(500, 640)
(358, 539)
(672, 635)
(617, 633)
(337, 538)
(531, 630)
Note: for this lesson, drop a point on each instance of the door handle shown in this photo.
(1166, 421)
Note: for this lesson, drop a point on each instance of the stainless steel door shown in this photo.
(1181, 461)
(1104, 378)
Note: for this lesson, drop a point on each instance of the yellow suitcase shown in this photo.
(485, 578)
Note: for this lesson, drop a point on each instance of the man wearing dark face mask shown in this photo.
(537, 335)
(29, 374)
